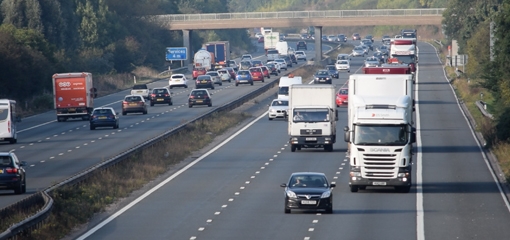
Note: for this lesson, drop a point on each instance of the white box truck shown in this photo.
(270, 40)
(380, 131)
(312, 116)
(284, 84)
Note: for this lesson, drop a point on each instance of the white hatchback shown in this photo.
(178, 80)
(300, 55)
(343, 65)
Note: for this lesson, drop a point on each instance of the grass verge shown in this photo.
(75, 205)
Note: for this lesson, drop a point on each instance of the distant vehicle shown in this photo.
(370, 37)
(356, 36)
(343, 56)
(341, 38)
(178, 80)
(197, 71)
(282, 62)
(265, 71)
(285, 83)
(224, 75)
(293, 58)
(257, 63)
(73, 95)
(300, 55)
(342, 96)
(245, 65)
(358, 51)
(322, 76)
(141, 89)
(244, 77)
(246, 57)
(333, 71)
(260, 40)
(199, 97)
(343, 65)
(278, 109)
(134, 104)
(332, 38)
(232, 73)
(273, 68)
(282, 37)
(161, 95)
(371, 62)
(232, 64)
(8, 121)
(288, 60)
(301, 45)
(368, 43)
(384, 50)
(204, 81)
(215, 77)
(314, 186)
(282, 47)
(386, 39)
(259, 35)
(104, 117)
(272, 54)
(324, 38)
(256, 74)
(365, 48)
(12, 173)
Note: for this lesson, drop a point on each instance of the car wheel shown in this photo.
(354, 188)
(221, 84)
(237, 84)
(185, 86)
(123, 113)
(116, 126)
(171, 103)
(19, 188)
(145, 112)
(251, 83)
(229, 80)
(287, 210)
(92, 127)
(212, 87)
(171, 87)
(292, 148)
(262, 79)
(152, 104)
(270, 119)
(209, 105)
(190, 105)
(329, 209)
(24, 188)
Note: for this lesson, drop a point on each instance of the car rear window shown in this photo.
(141, 86)
(5, 161)
(199, 93)
(3, 114)
(102, 111)
(133, 99)
(159, 91)
(177, 76)
(212, 73)
(204, 77)
(255, 70)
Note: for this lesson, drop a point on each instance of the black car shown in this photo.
(288, 60)
(104, 117)
(161, 96)
(199, 97)
(12, 173)
(301, 45)
(333, 71)
(308, 190)
(204, 81)
(322, 76)
(272, 69)
(293, 58)
(341, 38)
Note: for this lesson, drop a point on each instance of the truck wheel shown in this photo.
(292, 148)
(354, 188)
(92, 127)
(362, 187)
(287, 210)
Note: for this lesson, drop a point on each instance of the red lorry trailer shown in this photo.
(74, 95)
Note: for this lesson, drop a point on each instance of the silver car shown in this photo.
(215, 76)
(371, 62)
(224, 75)
(358, 52)
(300, 55)
(278, 109)
(343, 65)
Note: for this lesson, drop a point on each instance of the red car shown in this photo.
(231, 72)
(266, 72)
(342, 97)
(257, 74)
(197, 72)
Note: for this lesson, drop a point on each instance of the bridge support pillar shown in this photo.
(186, 38)
(318, 45)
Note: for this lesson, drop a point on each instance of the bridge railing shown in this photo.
(303, 14)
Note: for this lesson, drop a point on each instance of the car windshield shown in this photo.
(133, 99)
(308, 181)
(223, 71)
(270, 65)
(322, 73)
(283, 91)
(405, 58)
(380, 135)
(330, 67)
(280, 103)
(140, 86)
(358, 48)
(342, 62)
(300, 52)
(272, 52)
(343, 91)
(311, 115)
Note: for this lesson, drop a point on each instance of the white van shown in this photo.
(8, 121)
(282, 47)
(285, 82)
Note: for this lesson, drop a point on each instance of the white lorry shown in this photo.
(312, 116)
(380, 130)
(284, 84)
(270, 40)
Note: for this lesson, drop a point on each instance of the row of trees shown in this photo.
(41, 37)
(470, 22)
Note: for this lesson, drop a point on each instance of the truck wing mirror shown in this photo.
(347, 136)
(413, 137)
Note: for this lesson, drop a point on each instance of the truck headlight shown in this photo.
(294, 139)
(355, 174)
(401, 175)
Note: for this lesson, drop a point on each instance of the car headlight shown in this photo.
(272, 110)
(291, 194)
(325, 194)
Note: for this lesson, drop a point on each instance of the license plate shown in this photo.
(160, 99)
(133, 104)
(199, 101)
(204, 81)
(139, 91)
(177, 80)
(308, 202)
(322, 80)
(102, 117)
(379, 183)
(72, 109)
(311, 139)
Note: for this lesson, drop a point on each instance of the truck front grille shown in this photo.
(380, 166)
(311, 131)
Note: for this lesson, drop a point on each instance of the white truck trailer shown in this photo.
(380, 131)
(312, 116)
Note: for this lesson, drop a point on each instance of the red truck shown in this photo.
(74, 95)
(388, 69)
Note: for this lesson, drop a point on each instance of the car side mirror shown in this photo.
(23, 163)
(332, 185)
(283, 185)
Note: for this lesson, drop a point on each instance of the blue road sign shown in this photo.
(176, 53)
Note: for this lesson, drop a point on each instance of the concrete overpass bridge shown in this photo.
(375, 17)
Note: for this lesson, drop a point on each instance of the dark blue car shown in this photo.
(332, 71)
(244, 77)
(104, 117)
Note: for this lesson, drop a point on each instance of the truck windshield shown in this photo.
(283, 91)
(405, 58)
(380, 135)
(311, 115)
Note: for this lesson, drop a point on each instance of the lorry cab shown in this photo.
(8, 121)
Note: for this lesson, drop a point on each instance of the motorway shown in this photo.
(232, 191)
(55, 151)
